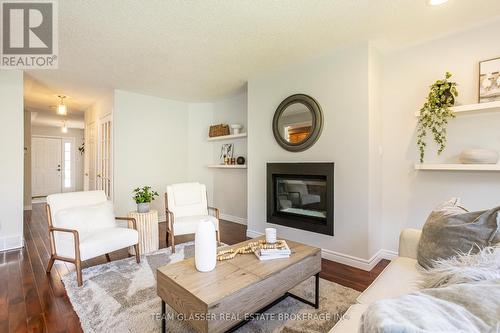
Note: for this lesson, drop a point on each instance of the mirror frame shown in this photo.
(317, 122)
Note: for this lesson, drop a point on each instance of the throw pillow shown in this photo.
(450, 229)
(463, 268)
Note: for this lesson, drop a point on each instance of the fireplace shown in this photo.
(300, 195)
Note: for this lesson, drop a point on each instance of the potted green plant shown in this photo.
(143, 197)
(435, 113)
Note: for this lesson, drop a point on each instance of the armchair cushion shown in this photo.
(187, 199)
(99, 242)
(188, 224)
(86, 219)
(74, 199)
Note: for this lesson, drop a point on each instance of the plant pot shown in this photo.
(143, 207)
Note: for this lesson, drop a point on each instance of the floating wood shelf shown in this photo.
(474, 108)
(458, 167)
(228, 137)
(222, 166)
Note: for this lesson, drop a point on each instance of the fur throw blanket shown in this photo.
(463, 268)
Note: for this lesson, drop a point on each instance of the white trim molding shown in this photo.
(232, 218)
(240, 220)
(11, 243)
(364, 264)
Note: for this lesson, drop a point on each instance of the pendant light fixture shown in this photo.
(64, 128)
(61, 108)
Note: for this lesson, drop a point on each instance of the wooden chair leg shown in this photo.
(78, 265)
(137, 254)
(172, 240)
(50, 264)
(218, 236)
(107, 257)
(166, 238)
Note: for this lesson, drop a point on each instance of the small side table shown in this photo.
(147, 226)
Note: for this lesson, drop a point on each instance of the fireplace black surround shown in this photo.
(300, 195)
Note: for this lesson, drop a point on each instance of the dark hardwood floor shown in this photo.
(33, 301)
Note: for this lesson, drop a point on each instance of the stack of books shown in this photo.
(269, 254)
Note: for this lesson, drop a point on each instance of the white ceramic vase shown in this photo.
(205, 247)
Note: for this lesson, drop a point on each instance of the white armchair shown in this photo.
(186, 205)
(82, 225)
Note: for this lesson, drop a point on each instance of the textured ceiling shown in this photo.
(203, 50)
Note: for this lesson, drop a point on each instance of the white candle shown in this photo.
(270, 235)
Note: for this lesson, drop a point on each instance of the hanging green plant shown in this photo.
(435, 113)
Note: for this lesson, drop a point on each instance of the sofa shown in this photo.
(398, 278)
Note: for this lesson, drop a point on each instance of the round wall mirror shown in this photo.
(297, 122)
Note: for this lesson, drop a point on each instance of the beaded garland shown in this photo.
(249, 248)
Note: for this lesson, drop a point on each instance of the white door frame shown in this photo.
(99, 176)
(73, 159)
(90, 156)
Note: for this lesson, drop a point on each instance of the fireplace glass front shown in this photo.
(301, 196)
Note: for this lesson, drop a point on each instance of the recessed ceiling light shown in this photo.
(436, 2)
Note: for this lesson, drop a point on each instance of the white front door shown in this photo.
(46, 166)
(104, 160)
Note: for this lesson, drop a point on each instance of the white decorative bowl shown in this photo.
(479, 156)
(236, 128)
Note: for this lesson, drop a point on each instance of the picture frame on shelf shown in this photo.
(489, 80)
(226, 151)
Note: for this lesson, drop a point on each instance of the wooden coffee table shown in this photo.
(225, 298)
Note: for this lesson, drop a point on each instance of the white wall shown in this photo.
(408, 196)
(150, 146)
(340, 84)
(78, 135)
(11, 168)
(160, 142)
(200, 151)
(230, 185)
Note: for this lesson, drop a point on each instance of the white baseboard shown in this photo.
(364, 264)
(11, 243)
(234, 219)
(230, 218)
(253, 234)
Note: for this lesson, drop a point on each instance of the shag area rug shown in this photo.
(120, 296)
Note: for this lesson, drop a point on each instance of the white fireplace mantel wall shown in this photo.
(369, 100)
(341, 84)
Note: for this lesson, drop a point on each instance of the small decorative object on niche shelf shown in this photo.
(226, 153)
(240, 160)
(489, 80)
(479, 156)
(218, 130)
(236, 128)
